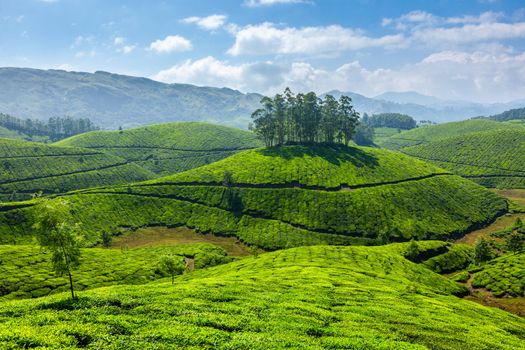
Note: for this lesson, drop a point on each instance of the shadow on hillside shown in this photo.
(335, 154)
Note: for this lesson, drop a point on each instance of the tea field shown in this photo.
(320, 297)
(168, 148)
(29, 167)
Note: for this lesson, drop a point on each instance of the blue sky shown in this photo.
(472, 50)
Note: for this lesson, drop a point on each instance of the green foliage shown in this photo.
(458, 257)
(28, 167)
(25, 269)
(513, 114)
(390, 120)
(168, 148)
(492, 158)
(426, 134)
(483, 251)
(304, 118)
(173, 265)
(290, 196)
(56, 128)
(412, 251)
(364, 135)
(503, 275)
(314, 298)
(57, 233)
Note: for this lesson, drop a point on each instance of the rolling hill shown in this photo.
(310, 298)
(426, 134)
(287, 196)
(168, 148)
(30, 167)
(491, 158)
(111, 100)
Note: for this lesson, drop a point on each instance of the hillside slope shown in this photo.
(290, 196)
(111, 100)
(29, 167)
(168, 148)
(310, 298)
(492, 158)
(426, 134)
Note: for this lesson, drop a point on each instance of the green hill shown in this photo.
(288, 196)
(25, 270)
(502, 276)
(29, 167)
(310, 298)
(492, 158)
(426, 134)
(168, 148)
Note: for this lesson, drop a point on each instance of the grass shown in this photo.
(25, 270)
(168, 148)
(426, 134)
(289, 196)
(491, 158)
(29, 167)
(499, 224)
(515, 196)
(311, 298)
(164, 236)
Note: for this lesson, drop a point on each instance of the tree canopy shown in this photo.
(390, 120)
(55, 128)
(305, 118)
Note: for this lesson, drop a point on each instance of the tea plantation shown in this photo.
(426, 134)
(30, 167)
(25, 271)
(492, 158)
(168, 148)
(503, 276)
(318, 297)
(286, 197)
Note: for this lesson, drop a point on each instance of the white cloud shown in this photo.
(119, 41)
(211, 22)
(257, 3)
(490, 74)
(471, 33)
(209, 71)
(266, 38)
(127, 49)
(171, 43)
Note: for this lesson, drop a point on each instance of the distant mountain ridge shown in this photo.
(424, 107)
(113, 100)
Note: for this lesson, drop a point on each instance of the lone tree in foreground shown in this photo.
(57, 233)
(172, 264)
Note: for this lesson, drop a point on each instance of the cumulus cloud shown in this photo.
(209, 71)
(171, 43)
(487, 75)
(266, 38)
(258, 3)
(121, 46)
(211, 22)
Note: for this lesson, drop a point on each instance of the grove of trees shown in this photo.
(55, 128)
(390, 120)
(305, 118)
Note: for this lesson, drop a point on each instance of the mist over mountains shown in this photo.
(113, 100)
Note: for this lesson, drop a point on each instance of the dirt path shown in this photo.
(164, 236)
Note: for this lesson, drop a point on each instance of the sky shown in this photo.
(457, 50)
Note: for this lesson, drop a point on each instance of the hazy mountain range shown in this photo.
(113, 100)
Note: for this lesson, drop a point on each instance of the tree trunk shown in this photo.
(71, 285)
(172, 278)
